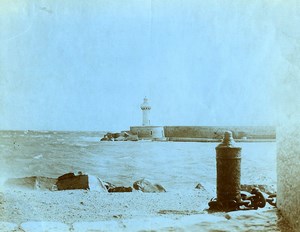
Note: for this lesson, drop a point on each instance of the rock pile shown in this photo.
(123, 136)
(70, 181)
(147, 187)
(111, 188)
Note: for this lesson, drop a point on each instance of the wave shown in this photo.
(89, 138)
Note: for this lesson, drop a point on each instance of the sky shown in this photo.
(87, 65)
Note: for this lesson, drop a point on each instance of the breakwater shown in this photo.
(216, 132)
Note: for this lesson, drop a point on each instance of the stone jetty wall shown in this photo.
(216, 132)
(148, 132)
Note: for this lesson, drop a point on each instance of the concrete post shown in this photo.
(228, 157)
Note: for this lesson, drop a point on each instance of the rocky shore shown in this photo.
(43, 208)
(83, 210)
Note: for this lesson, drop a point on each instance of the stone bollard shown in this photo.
(228, 158)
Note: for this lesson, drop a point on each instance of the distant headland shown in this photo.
(190, 133)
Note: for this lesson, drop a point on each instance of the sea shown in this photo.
(174, 165)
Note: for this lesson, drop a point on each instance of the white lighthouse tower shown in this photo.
(146, 131)
(145, 107)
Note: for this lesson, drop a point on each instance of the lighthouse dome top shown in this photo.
(145, 105)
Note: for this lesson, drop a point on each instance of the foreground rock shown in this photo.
(111, 188)
(71, 181)
(120, 189)
(147, 187)
(199, 186)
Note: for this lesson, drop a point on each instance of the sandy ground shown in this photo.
(81, 210)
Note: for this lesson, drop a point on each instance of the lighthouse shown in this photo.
(146, 131)
(145, 107)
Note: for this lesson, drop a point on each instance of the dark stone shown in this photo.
(111, 188)
(109, 135)
(81, 181)
(70, 181)
(66, 176)
(116, 135)
(105, 138)
(147, 187)
(200, 186)
(120, 189)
